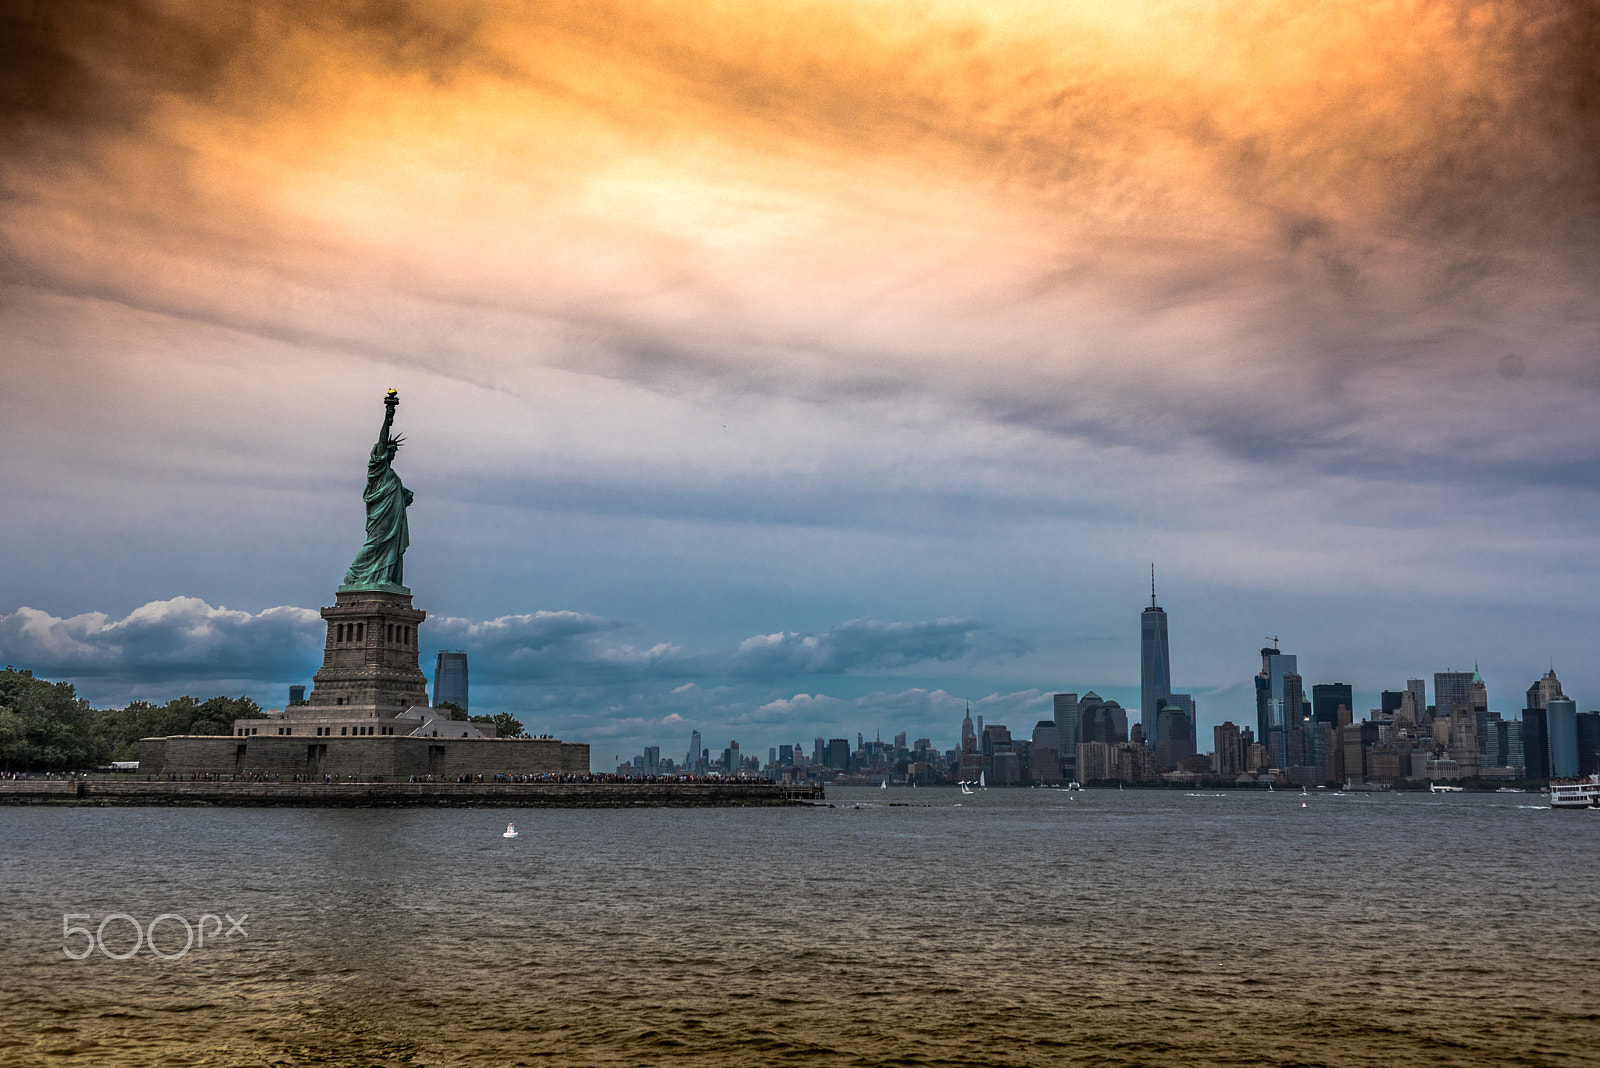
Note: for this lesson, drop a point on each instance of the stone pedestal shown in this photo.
(369, 663)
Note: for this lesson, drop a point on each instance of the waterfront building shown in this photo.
(450, 679)
(1228, 751)
(1094, 761)
(1562, 723)
(297, 695)
(1155, 665)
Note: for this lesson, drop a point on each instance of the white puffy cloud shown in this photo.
(181, 638)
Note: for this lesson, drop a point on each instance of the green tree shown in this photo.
(506, 725)
(455, 710)
(46, 725)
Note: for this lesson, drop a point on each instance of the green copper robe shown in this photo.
(381, 561)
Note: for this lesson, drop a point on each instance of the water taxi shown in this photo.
(1575, 793)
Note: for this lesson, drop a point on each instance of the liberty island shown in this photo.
(366, 734)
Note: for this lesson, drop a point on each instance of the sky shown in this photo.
(792, 369)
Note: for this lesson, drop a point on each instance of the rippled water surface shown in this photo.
(1023, 927)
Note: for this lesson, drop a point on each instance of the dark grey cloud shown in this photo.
(185, 639)
(571, 648)
(865, 645)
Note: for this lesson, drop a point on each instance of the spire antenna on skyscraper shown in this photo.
(1152, 584)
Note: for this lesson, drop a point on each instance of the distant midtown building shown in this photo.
(450, 679)
(297, 695)
(1155, 664)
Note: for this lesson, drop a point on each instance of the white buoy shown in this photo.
(511, 831)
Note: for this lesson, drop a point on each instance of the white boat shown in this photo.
(1440, 788)
(981, 784)
(1074, 786)
(1575, 793)
(884, 785)
(966, 789)
(511, 831)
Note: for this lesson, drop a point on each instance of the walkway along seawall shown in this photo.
(380, 794)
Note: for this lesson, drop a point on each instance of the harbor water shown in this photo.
(901, 926)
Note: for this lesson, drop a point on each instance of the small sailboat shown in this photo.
(884, 785)
(966, 789)
(982, 785)
(511, 831)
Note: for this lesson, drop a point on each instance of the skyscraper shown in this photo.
(1326, 697)
(1419, 696)
(1588, 743)
(1540, 693)
(1101, 720)
(1155, 667)
(1562, 719)
(1450, 688)
(1227, 755)
(1535, 743)
(695, 749)
(1067, 728)
(450, 679)
(1273, 713)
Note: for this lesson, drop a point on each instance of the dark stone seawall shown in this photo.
(384, 794)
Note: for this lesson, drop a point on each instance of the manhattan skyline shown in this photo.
(804, 370)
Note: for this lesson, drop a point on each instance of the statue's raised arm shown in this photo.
(380, 565)
(391, 401)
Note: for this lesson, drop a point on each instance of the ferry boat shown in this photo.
(1575, 793)
(1439, 789)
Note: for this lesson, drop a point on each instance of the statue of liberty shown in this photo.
(380, 565)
